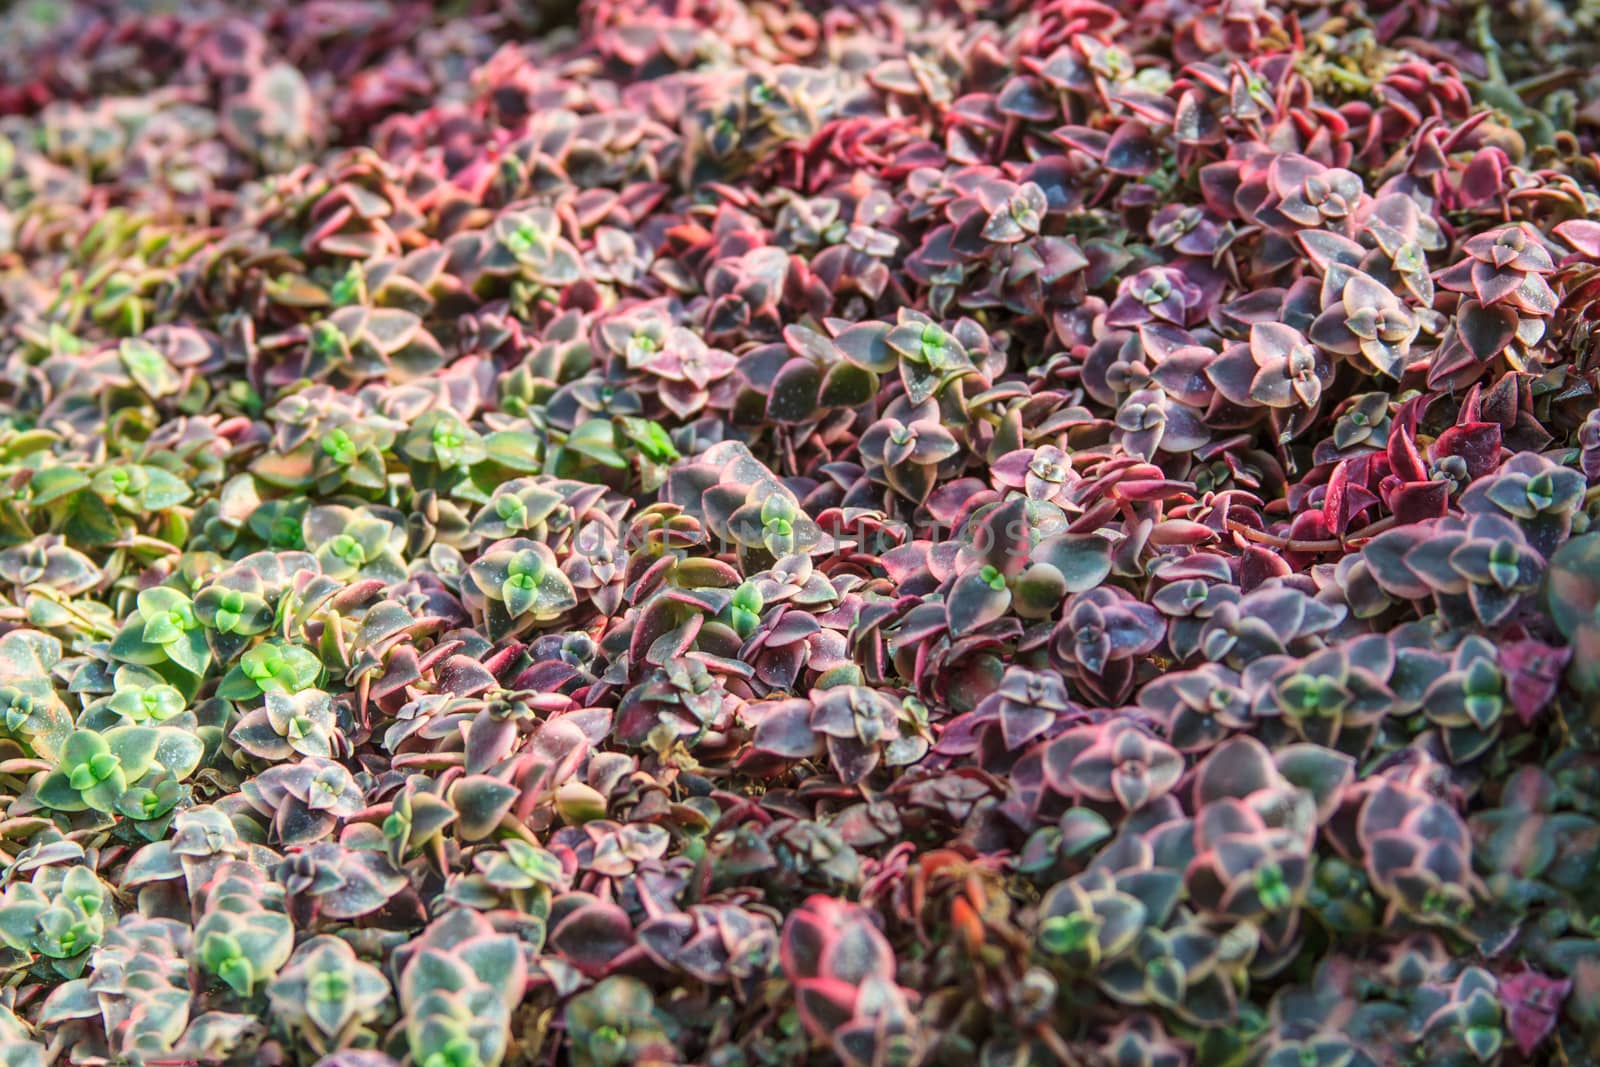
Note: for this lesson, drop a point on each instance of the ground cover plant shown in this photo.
(972, 532)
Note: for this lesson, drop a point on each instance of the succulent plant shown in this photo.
(328, 992)
(59, 915)
(21, 1050)
(458, 986)
(843, 971)
(302, 722)
(1477, 570)
(241, 938)
(618, 1022)
(164, 630)
(273, 668)
(1276, 368)
(517, 583)
(744, 533)
(1574, 605)
(111, 771)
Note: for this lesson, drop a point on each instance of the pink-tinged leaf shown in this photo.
(1219, 185)
(464, 676)
(1132, 151)
(825, 1005)
(1323, 773)
(1324, 248)
(1418, 501)
(1485, 176)
(1181, 532)
(1062, 753)
(858, 951)
(1345, 500)
(1581, 234)
(1259, 564)
(1532, 671)
(794, 392)
(1089, 141)
(593, 937)
(1237, 768)
(1476, 443)
(1232, 375)
(1485, 330)
(1535, 296)
(1494, 284)
(1315, 525)
(1532, 1003)
(1404, 460)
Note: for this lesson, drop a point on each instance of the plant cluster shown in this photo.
(780, 533)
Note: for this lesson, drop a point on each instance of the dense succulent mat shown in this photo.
(882, 533)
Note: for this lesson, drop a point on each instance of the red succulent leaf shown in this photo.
(1532, 1003)
(594, 938)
